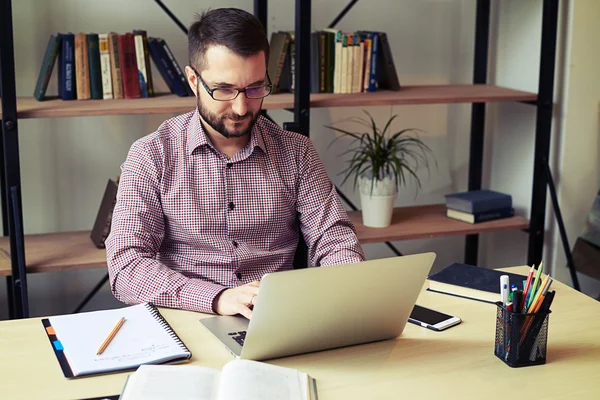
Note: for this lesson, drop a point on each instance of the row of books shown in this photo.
(108, 66)
(340, 62)
(112, 65)
(479, 206)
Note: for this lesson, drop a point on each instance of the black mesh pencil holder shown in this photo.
(521, 339)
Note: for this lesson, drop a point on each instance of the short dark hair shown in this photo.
(237, 30)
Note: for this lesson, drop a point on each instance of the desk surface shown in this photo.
(457, 363)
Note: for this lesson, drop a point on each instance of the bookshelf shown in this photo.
(28, 107)
(53, 252)
(74, 250)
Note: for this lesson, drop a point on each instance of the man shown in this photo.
(216, 198)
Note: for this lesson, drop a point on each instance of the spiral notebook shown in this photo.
(144, 338)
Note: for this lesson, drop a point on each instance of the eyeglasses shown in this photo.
(228, 94)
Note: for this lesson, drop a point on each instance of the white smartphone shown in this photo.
(431, 319)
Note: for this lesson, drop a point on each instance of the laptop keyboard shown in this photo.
(239, 337)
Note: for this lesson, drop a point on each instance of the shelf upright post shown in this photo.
(12, 177)
(301, 124)
(480, 69)
(260, 12)
(543, 128)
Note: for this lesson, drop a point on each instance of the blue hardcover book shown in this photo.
(166, 70)
(480, 216)
(469, 281)
(66, 81)
(477, 201)
(374, 36)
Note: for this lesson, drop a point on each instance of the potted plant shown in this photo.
(380, 163)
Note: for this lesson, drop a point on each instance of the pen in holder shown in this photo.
(521, 339)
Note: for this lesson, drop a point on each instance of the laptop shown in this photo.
(313, 309)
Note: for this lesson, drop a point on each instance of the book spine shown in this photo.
(314, 62)
(47, 65)
(115, 65)
(387, 71)
(67, 76)
(82, 67)
(149, 81)
(131, 83)
(344, 65)
(156, 58)
(491, 215)
(337, 85)
(141, 64)
(358, 64)
(94, 61)
(367, 65)
(178, 70)
(170, 74)
(322, 62)
(374, 66)
(107, 92)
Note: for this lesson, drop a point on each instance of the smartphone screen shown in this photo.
(428, 316)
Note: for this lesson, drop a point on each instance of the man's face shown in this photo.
(233, 118)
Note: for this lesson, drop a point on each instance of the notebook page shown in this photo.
(163, 382)
(140, 340)
(252, 380)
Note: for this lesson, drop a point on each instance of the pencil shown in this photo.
(111, 336)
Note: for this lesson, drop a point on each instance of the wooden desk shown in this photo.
(455, 364)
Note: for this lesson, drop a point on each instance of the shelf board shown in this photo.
(28, 107)
(54, 252)
(430, 221)
(65, 251)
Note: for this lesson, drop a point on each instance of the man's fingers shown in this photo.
(253, 283)
(252, 299)
(245, 311)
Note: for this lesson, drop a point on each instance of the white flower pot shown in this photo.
(377, 202)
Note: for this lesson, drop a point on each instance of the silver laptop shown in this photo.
(313, 309)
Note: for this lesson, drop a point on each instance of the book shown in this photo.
(93, 44)
(105, 67)
(238, 379)
(387, 78)
(279, 45)
(141, 64)
(129, 69)
(66, 76)
(149, 84)
(174, 64)
(477, 201)
(115, 65)
(144, 338)
(469, 281)
(480, 216)
(103, 221)
(165, 67)
(82, 67)
(52, 50)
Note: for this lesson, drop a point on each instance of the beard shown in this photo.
(218, 122)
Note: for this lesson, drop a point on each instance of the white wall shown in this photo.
(66, 162)
(578, 176)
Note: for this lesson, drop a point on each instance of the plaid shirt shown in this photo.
(190, 222)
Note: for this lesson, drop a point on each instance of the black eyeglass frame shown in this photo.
(268, 87)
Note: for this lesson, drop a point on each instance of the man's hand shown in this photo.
(238, 300)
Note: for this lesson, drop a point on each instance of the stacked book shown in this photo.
(479, 206)
(340, 62)
(108, 66)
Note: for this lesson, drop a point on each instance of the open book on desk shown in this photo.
(144, 338)
(238, 380)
